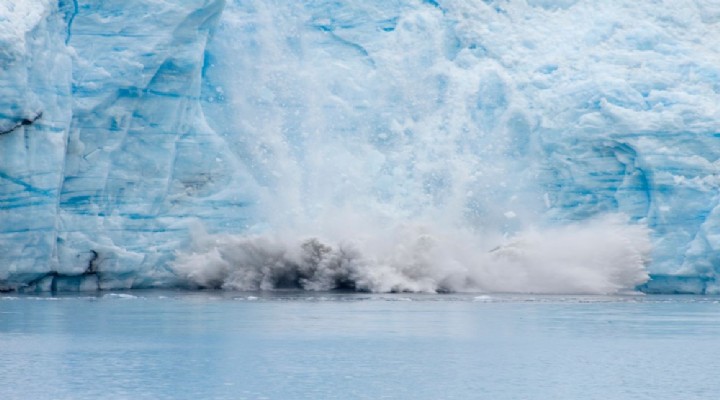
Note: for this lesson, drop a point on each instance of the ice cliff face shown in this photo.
(35, 119)
(98, 179)
(128, 127)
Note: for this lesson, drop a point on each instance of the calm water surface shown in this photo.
(293, 345)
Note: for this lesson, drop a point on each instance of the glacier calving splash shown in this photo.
(509, 146)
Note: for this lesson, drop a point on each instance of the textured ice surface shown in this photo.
(449, 145)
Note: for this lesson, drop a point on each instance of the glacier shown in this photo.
(540, 146)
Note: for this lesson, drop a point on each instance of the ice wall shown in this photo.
(35, 118)
(132, 127)
(100, 180)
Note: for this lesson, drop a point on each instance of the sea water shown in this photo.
(300, 345)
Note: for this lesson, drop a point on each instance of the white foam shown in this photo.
(601, 256)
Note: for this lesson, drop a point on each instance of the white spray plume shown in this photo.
(600, 256)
